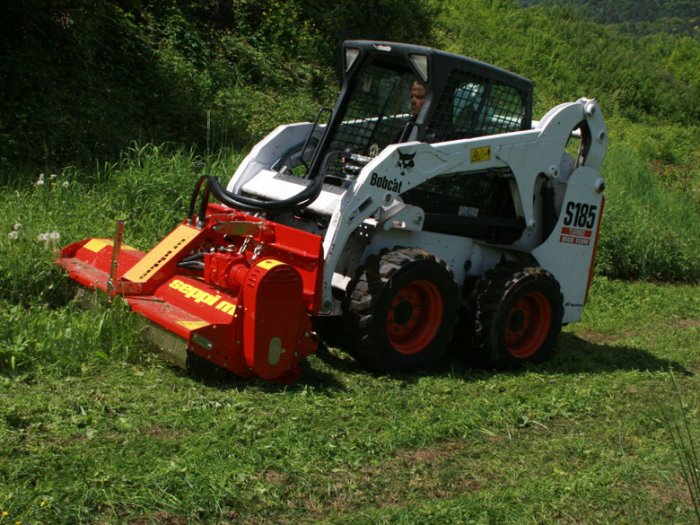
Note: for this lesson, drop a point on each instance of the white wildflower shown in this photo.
(54, 236)
(40, 182)
(17, 226)
(14, 235)
(41, 176)
(53, 176)
(44, 237)
(65, 184)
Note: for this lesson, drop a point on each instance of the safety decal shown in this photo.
(579, 220)
(481, 154)
(268, 264)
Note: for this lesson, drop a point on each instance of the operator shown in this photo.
(418, 94)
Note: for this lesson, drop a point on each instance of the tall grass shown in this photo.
(685, 445)
(648, 232)
(40, 327)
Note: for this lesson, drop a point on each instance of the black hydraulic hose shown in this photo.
(195, 194)
(203, 204)
(193, 257)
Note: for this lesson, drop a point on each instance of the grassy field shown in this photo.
(96, 429)
(581, 439)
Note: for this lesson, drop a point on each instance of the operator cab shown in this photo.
(465, 98)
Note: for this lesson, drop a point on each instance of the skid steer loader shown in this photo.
(466, 222)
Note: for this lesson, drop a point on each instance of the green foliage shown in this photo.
(36, 340)
(648, 233)
(568, 57)
(618, 11)
(80, 80)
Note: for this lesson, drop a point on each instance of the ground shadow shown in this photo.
(573, 355)
(214, 376)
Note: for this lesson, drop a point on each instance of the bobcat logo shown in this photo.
(405, 161)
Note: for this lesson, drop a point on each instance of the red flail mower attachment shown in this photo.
(233, 289)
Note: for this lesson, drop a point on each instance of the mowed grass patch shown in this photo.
(578, 439)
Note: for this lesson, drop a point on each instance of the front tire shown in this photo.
(516, 315)
(401, 311)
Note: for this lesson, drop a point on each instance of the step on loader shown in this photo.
(426, 208)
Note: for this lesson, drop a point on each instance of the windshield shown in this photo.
(377, 112)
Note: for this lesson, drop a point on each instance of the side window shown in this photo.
(503, 112)
(466, 101)
(472, 106)
(457, 107)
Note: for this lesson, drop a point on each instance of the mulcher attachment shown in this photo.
(233, 289)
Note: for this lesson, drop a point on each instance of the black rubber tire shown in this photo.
(515, 315)
(400, 311)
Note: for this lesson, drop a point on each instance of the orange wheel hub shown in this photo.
(528, 324)
(414, 317)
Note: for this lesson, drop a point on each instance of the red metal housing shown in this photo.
(237, 290)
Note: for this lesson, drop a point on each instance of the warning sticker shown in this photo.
(580, 236)
(481, 154)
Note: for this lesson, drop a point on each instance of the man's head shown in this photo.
(418, 94)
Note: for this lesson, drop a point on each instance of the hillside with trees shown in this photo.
(81, 80)
(680, 17)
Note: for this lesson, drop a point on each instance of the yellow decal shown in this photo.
(95, 245)
(193, 325)
(481, 154)
(268, 264)
(226, 307)
(164, 251)
(194, 293)
(201, 297)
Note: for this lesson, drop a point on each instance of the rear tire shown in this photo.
(401, 311)
(516, 315)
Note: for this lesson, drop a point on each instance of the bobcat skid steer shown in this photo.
(463, 222)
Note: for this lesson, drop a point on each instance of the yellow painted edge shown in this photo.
(95, 245)
(268, 264)
(193, 325)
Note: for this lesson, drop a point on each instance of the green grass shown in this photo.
(95, 429)
(580, 438)
(649, 231)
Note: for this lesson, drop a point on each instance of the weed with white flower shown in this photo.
(50, 239)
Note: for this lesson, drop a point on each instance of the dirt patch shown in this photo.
(272, 476)
(688, 323)
(672, 493)
(600, 338)
(430, 455)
